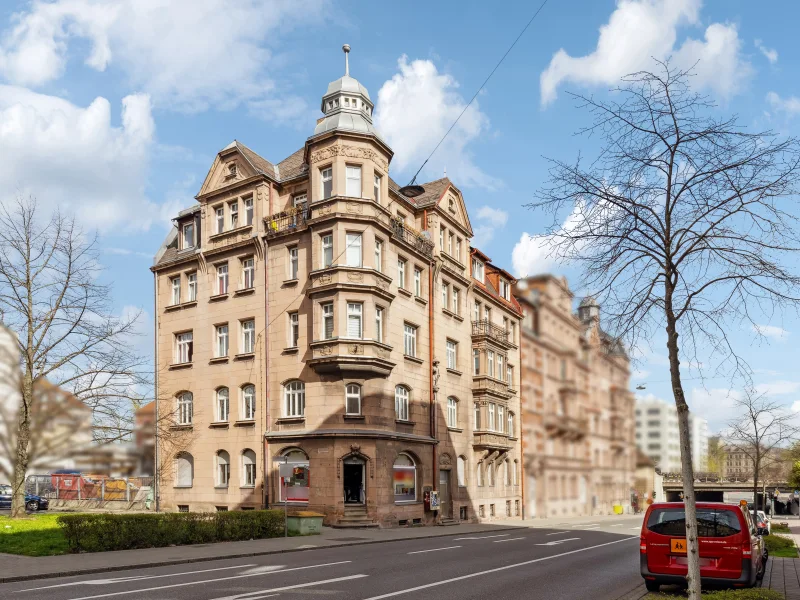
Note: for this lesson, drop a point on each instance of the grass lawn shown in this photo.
(751, 594)
(35, 535)
(779, 528)
(780, 546)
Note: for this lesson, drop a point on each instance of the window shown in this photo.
(490, 423)
(222, 279)
(354, 310)
(220, 218)
(191, 280)
(353, 183)
(401, 403)
(326, 176)
(450, 243)
(501, 418)
(477, 423)
(234, 214)
(510, 376)
(248, 211)
(512, 336)
(500, 370)
(476, 361)
(417, 282)
(222, 405)
(175, 282)
(327, 250)
(479, 480)
(476, 312)
(376, 188)
(378, 255)
(445, 295)
(477, 269)
(223, 468)
(294, 399)
(353, 250)
(401, 273)
(505, 323)
(505, 289)
(248, 273)
(352, 399)
(249, 402)
(490, 363)
(327, 321)
(405, 479)
(441, 239)
(378, 324)
(248, 337)
(248, 468)
(188, 235)
(461, 471)
(295, 488)
(293, 262)
(487, 314)
(452, 357)
(294, 329)
(510, 425)
(222, 340)
(184, 348)
(185, 408)
(409, 340)
(458, 249)
(514, 479)
(184, 470)
(452, 412)
(456, 301)
(490, 482)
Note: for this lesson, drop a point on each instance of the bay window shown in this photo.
(327, 321)
(353, 181)
(326, 178)
(327, 250)
(354, 313)
(353, 250)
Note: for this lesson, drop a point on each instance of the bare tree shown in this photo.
(52, 298)
(762, 431)
(682, 223)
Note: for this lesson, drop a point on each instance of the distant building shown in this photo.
(145, 438)
(657, 435)
(649, 483)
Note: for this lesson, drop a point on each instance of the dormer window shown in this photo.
(505, 289)
(232, 170)
(477, 269)
(188, 235)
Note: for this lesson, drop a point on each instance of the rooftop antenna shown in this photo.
(346, 49)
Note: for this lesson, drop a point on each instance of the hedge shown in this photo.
(104, 532)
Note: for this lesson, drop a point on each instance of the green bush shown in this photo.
(779, 545)
(748, 594)
(104, 532)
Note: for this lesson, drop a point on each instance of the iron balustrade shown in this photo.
(485, 327)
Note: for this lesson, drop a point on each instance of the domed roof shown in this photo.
(347, 84)
(588, 301)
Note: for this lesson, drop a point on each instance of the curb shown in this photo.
(182, 561)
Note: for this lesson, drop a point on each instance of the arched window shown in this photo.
(479, 474)
(352, 399)
(249, 402)
(401, 403)
(185, 408)
(511, 424)
(223, 404)
(184, 470)
(223, 469)
(452, 412)
(294, 399)
(248, 468)
(461, 471)
(294, 482)
(405, 478)
(490, 474)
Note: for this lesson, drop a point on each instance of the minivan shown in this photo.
(731, 549)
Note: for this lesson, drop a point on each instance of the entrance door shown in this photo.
(446, 506)
(353, 481)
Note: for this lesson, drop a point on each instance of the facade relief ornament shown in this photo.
(323, 279)
(355, 276)
(356, 348)
(325, 210)
(325, 350)
(445, 460)
(350, 152)
(381, 352)
(354, 208)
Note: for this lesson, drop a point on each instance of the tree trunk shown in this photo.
(687, 470)
(23, 439)
(756, 470)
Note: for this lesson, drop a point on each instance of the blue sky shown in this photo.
(115, 109)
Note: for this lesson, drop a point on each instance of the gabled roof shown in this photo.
(292, 166)
(434, 190)
(260, 164)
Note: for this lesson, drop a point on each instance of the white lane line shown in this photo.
(617, 525)
(557, 542)
(558, 533)
(272, 592)
(496, 570)
(433, 550)
(484, 537)
(508, 540)
(635, 527)
(131, 578)
(174, 585)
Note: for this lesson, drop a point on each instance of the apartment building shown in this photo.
(658, 436)
(580, 454)
(325, 341)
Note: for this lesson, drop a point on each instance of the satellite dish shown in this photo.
(426, 234)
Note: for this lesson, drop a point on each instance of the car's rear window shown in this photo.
(711, 522)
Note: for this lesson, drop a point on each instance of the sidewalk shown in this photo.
(20, 568)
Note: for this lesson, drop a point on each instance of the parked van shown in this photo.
(731, 550)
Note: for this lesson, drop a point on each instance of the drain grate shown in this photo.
(350, 539)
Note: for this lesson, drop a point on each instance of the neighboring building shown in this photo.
(302, 308)
(579, 441)
(145, 438)
(657, 435)
(649, 482)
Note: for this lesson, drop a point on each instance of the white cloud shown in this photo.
(638, 31)
(717, 406)
(533, 254)
(787, 106)
(488, 221)
(640, 374)
(186, 55)
(770, 53)
(74, 158)
(494, 216)
(415, 108)
(771, 331)
(778, 388)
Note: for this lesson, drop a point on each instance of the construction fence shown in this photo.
(79, 486)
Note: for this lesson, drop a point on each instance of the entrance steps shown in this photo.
(355, 517)
(449, 522)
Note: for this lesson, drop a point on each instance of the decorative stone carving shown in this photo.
(325, 210)
(355, 349)
(325, 350)
(381, 284)
(355, 448)
(445, 460)
(381, 352)
(355, 276)
(323, 279)
(350, 152)
(354, 208)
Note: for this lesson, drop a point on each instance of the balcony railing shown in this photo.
(289, 220)
(411, 237)
(491, 330)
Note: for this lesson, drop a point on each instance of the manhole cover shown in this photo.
(350, 539)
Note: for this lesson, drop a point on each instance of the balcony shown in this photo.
(287, 221)
(361, 358)
(341, 277)
(491, 441)
(411, 237)
(483, 385)
(568, 427)
(487, 329)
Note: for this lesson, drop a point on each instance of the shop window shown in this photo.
(405, 479)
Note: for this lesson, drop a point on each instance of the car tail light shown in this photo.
(642, 546)
(747, 551)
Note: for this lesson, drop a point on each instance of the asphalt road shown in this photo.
(552, 564)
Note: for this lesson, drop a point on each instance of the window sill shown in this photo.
(181, 427)
(289, 282)
(290, 420)
(456, 429)
(407, 502)
(421, 300)
(245, 356)
(245, 291)
(245, 423)
(181, 487)
(221, 487)
(404, 292)
(219, 425)
(404, 422)
(247, 487)
(218, 360)
(450, 313)
(354, 417)
(174, 307)
(178, 366)
(454, 371)
(218, 297)
(290, 350)
(414, 359)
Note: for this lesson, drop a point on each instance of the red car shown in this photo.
(731, 550)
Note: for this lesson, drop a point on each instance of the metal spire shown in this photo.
(346, 49)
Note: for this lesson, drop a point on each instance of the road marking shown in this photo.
(484, 537)
(558, 533)
(131, 578)
(618, 525)
(495, 570)
(248, 596)
(164, 587)
(557, 542)
(635, 527)
(272, 592)
(433, 550)
(508, 540)
(587, 525)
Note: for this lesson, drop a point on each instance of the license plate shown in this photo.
(678, 546)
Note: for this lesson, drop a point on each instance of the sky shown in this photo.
(115, 109)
